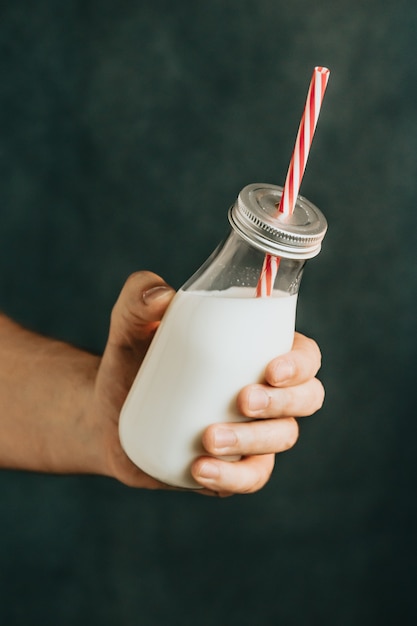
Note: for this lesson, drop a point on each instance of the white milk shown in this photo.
(208, 346)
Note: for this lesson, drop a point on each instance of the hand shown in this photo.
(291, 390)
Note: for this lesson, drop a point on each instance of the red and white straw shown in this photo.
(304, 139)
(296, 168)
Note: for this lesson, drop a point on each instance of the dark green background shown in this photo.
(127, 129)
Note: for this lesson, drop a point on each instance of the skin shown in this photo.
(60, 406)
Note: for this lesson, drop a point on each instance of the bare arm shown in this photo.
(45, 386)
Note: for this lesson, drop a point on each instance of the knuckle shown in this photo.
(315, 351)
(322, 393)
(319, 394)
(252, 475)
(142, 276)
(264, 473)
(292, 433)
(311, 350)
(314, 345)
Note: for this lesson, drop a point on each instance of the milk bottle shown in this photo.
(217, 336)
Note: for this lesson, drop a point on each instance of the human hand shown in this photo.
(291, 390)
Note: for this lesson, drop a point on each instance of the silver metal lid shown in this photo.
(256, 218)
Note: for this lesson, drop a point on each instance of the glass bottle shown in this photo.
(218, 336)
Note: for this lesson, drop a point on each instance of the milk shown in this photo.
(208, 346)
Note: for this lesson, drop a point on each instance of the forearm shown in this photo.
(45, 387)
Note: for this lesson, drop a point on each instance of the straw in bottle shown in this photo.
(296, 168)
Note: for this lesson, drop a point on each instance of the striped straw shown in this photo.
(296, 168)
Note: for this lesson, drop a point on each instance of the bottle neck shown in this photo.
(235, 263)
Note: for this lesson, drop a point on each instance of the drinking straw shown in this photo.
(296, 168)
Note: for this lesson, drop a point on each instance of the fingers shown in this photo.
(263, 401)
(255, 442)
(291, 390)
(139, 308)
(297, 366)
(227, 478)
(250, 438)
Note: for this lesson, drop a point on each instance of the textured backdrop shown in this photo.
(127, 129)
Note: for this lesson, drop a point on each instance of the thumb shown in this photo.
(136, 314)
(138, 311)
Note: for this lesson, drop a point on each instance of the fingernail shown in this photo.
(283, 371)
(154, 293)
(209, 470)
(258, 399)
(224, 438)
